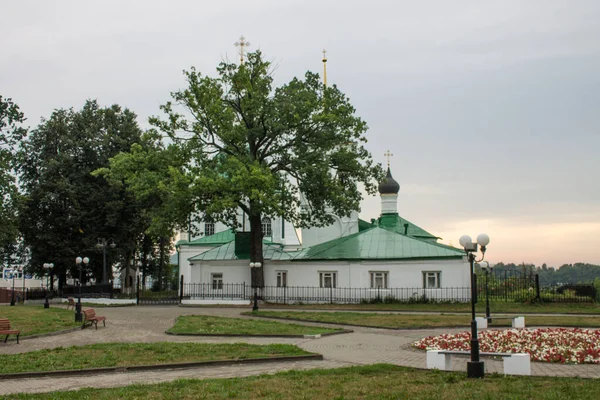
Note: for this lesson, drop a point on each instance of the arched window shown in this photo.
(266, 227)
(209, 228)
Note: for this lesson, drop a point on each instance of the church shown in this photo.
(352, 260)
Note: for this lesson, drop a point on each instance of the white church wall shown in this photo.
(341, 227)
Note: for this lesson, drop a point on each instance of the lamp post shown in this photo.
(14, 271)
(487, 292)
(102, 243)
(78, 261)
(475, 368)
(48, 267)
(252, 266)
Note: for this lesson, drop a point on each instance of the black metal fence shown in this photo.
(527, 289)
(511, 290)
(316, 295)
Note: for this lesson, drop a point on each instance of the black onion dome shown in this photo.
(389, 185)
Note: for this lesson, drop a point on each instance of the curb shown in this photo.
(40, 335)
(363, 326)
(136, 368)
(315, 336)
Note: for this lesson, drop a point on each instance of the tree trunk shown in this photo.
(256, 250)
(127, 287)
(161, 260)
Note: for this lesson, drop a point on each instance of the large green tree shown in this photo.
(295, 151)
(154, 172)
(66, 208)
(11, 133)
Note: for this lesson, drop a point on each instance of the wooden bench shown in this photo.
(5, 329)
(513, 363)
(517, 322)
(90, 316)
(70, 303)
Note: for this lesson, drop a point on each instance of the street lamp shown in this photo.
(14, 271)
(102, 243)
(78, 261)
(487, 292)
(255, 265)
(475, 367)
(48, 267)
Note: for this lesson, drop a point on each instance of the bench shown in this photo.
(90, 316)
(517, 322)
(70, 303)
(513, 363)
(5, 329)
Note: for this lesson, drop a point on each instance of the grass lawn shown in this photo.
(401, 321)
(33, 320)
(496, 307)
(365, 382)
(204, 324)
(126, 355)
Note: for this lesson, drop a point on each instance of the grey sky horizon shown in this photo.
(491, 109)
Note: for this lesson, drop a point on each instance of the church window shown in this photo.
(431, 279)
(379, 280)
(281, 278)
(217, 281)
(266, 227)
(209, 228)
(328, 279)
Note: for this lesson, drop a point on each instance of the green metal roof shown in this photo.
(395, 223)
(214, 240)
(364, 225)
(227, 252)
(378, 244)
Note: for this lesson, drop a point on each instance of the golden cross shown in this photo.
(324, 55)
(241, 44)
(388, 155)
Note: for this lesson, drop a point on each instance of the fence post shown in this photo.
(537, 287)
(181, 290)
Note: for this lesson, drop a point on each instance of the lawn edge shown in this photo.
(317, 335)
(39, 335)
(154, 367)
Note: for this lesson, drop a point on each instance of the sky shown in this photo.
(490, 108)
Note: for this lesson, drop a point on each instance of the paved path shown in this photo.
(147, 324)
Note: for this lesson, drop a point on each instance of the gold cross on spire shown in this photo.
(324, 67)
(241, 44)
(388, 155)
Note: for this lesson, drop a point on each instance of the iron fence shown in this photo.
(515, 289)
(316, 295)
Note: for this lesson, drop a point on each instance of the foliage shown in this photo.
(370, 382)
(560, 345)
(550, 276)
(204, 324)
(130, 354)
(259, 149)
(11, 133)
(66, 209)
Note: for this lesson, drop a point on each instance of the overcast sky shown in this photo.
(491, 108)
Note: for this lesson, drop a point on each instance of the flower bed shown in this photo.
(563, 345)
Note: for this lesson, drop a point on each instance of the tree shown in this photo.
(296, 151)
(66, 209)
(11, 133)
(154, 173)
